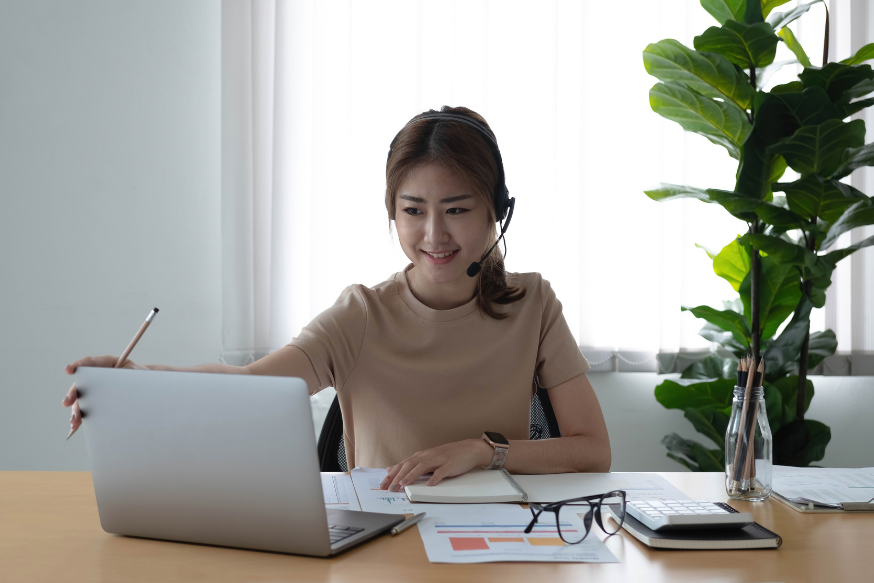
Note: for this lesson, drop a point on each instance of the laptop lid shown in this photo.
(208, 458)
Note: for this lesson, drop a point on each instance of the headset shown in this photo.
(504, 205)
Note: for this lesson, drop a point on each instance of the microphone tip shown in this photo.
(473, 269)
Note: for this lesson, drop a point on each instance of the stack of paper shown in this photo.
(830, 487)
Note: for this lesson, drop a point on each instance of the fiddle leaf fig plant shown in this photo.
(782, 265)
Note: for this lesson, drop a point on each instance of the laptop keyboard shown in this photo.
(339, 532)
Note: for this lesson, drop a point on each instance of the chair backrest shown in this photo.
(332, 453)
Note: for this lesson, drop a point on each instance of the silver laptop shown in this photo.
(216, 459)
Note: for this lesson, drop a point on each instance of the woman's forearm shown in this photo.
(576, 453)
(215, 368)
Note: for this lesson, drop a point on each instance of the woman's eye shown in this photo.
(412, 211)
(456, 211)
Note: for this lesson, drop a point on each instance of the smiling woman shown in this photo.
(436, 367)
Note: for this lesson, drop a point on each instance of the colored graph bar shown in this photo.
(506, 539)
(546, 542)
(468, 544)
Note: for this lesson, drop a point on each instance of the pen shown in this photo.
(123, 358)
(407, 523)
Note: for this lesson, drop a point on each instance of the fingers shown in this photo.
(75, 418)
(105, 361)
(392, 472)
(438, 476)
(415, 474)
(71, 396)
(396, 482)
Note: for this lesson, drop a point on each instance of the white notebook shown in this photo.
(484, 486)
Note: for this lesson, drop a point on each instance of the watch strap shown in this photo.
(498, 458)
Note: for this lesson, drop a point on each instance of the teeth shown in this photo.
(440, 255)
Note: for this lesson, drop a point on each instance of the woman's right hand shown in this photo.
(72, 398)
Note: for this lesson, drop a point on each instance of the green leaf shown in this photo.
(856, 158)
(864, 54)
(709, 74)
(721, 122)
(779, 293)
(727, 320)
(702, 459)
(666, 192)
(830, 260)
(764, 74)
(820, 435)
(777, 216)
(822, 345)
(723, 10)
(786, 34)
(857, 106)
(843, 83)
(736, 203)
(733, 263)
(725, 339)
(714, 393)
(813, 196)
(788, 387)
(710, 253)
(778, 117)
(781, 250)
(780, 19)
(859, 214)
(782, 353)
(820, 149)
(769, 5)
(773, 406)
(753, 13)
(711, 367)
(711, 422)
(745, 45)
(791, 87)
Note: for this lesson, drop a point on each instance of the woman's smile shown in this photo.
(440, 257)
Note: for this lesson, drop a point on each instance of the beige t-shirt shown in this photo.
(410, 378)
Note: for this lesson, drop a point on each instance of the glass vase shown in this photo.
(748, 447)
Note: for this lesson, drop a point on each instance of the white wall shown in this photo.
(109, 200)
(110, 168)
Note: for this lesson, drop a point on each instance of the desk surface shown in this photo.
(50, 531)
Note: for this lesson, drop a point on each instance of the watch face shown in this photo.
(497, 438)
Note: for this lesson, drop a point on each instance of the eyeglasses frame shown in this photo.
(538, 509)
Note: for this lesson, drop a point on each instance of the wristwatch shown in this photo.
(501, 446)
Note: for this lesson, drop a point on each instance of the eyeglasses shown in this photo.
(589, 506)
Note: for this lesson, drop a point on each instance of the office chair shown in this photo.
(332, 453)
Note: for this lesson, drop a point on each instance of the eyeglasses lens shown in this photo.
(567, 522)
(617, 504)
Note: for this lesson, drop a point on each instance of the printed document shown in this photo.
(824, 486)
(496, 533)
(338, 491)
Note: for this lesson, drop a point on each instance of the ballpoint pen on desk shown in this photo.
(407, 523)
(123, 358)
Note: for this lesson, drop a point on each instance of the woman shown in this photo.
(427, 361)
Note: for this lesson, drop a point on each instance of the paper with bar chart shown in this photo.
(456, 536)
(338, 491)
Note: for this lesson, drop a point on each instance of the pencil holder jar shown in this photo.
(748, 447)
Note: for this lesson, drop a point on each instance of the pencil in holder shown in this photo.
(748, 439)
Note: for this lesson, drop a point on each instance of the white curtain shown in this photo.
(314, 91)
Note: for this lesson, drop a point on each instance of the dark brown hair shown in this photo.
(467, 154)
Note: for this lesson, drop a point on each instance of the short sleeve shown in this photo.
(332, 340)
(558, 357)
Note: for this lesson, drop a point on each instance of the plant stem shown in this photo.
(755, 273)
(807, 289)
(755, 260)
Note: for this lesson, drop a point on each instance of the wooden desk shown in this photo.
(50, 531)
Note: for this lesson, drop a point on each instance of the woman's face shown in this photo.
(442, 225)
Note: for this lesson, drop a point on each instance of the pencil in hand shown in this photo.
(123, 358)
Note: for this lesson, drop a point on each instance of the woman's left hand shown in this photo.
(445, 461)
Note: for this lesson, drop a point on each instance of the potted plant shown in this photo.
(782, 266)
